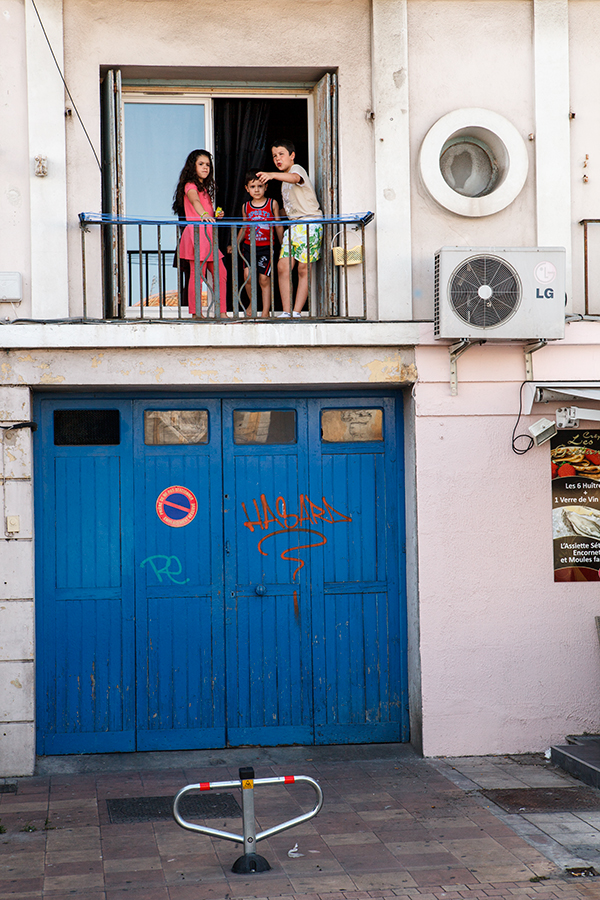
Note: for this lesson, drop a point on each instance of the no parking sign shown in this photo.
(176, 506)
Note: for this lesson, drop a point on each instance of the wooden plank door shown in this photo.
(179, 575)
(85, 614)
(359, 633)
(267, 592)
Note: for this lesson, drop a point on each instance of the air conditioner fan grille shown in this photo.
(484, 291)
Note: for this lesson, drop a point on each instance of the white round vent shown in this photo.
(484, 291)
(473, 162)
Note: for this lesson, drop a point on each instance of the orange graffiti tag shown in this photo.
(308, 512)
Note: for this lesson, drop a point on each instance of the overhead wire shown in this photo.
(66, 85)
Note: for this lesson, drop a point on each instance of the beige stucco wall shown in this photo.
(14, 153)
(506, 659)
(463, 55)
(17, 697)
(584, 35)
(296, 43)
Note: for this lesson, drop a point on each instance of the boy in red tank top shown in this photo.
(259, 209)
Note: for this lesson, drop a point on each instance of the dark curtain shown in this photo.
(241, 128)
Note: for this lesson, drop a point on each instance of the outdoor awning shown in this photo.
(559, 391)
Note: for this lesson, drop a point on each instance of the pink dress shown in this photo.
(206, 246)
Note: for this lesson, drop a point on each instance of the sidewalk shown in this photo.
(393, 825)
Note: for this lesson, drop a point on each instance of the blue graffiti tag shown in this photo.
(164, 568)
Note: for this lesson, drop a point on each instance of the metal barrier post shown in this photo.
(250, 861)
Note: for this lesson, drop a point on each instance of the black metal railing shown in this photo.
(145, 277)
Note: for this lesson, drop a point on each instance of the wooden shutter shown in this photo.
(326, 183)
(113, 193)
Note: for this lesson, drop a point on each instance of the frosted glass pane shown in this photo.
(158, 138)
(340, 426)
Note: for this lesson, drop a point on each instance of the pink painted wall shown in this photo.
(510, 660)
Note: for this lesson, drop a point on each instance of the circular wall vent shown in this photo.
(484, 291)
(469, 167)
(473, 162)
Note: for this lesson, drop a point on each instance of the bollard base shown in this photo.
(249, 863)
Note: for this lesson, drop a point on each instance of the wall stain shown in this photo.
(391, 369)
(97, 360)
(47, 378)
(399, 77)
(210, 375)
(16, 683)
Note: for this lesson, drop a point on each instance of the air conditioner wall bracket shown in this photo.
(528, 350)
(455, 351)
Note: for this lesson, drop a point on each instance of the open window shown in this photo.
(148, 131)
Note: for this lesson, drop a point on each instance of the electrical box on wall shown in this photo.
(10, 287)
(492, 293)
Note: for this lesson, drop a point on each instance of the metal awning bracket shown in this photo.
(455, 351)
(529, 349)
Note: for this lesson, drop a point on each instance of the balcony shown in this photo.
(145, 279)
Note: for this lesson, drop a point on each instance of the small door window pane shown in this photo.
(176, 426)
(274, 426)
(81, 427)
(340, 426)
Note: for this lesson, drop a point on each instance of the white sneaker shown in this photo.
(284, 315)
(296, 315)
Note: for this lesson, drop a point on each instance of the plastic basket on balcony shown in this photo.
(351, 256)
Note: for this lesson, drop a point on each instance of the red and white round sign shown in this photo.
(176, 506)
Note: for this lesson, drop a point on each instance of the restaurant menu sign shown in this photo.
(576, 505)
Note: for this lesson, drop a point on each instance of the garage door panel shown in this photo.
(183, 676)
(272, 615)
(179, 577)
(356, 607)
(84, 609)
(88, 522)
(269, 687)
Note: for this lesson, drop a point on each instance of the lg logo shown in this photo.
(545, 273)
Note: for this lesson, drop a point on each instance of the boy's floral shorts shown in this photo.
(296, 235)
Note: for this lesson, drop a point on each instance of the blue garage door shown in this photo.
(213, 573)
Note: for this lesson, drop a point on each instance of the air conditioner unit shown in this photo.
(492, 293)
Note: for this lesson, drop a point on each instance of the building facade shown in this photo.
(229, 531)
